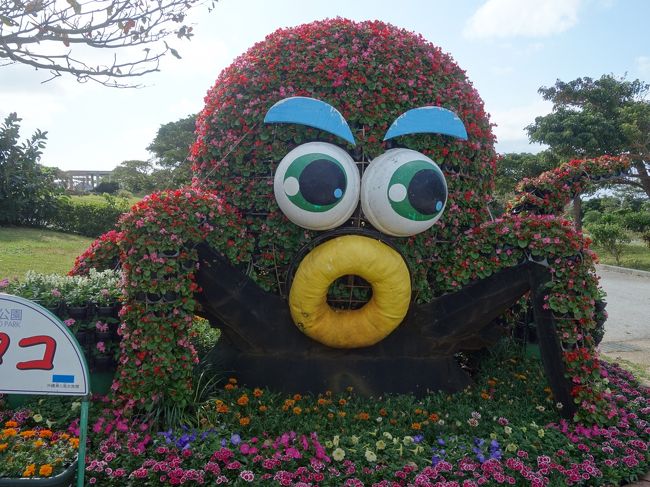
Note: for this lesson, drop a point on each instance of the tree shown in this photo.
(27, 189)
(134, 176)
(591, 118)
(51, 35)
(171, 147)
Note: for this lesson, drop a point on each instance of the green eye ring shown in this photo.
(417, 191)
(319, 191)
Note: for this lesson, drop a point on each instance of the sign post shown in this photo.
(39, 355)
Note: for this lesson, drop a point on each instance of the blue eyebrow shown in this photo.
(312, 113)
(427, 120)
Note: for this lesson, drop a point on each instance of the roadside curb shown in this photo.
(623, 270)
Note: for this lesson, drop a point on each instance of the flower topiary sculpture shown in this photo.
(338, 231)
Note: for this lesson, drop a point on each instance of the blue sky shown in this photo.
(509, 48)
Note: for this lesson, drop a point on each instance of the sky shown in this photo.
(509, 48)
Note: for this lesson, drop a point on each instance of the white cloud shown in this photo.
(511, 122)
(643, 65)
(517, 18)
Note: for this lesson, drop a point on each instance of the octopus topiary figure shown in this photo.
(338, 230)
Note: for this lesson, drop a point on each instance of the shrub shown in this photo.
(110, 187)
(611, 237)
(637, 221)
(89, 218)
(646, 238)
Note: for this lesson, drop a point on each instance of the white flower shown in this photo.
(559, 405)
(407, 440)
(370, 456)
(380, 445)
(338, 454)
(335, 440)
(388, 435)
(507, 430)
(37, 418)
(354, 439)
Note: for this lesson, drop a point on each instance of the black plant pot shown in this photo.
(78, 312)
(106, 311)
(170, 253)
(103, 336)
(84, 337)
(153, 298)
(170, 296)
(103, 363)
(63, 479)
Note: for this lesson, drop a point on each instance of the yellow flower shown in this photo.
(29, 470)
(37, 418)
(38, 443)
(371, 456)
(74, 442)
(297, 410)
(380, 444)
(45, 470)
(338, 454)
(3, 446)
(540, 433)
(511, 447)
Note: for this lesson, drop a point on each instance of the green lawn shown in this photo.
(636, 255)
(23, 249)
(99, 199)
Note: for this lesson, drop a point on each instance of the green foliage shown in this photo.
(110, 187)
(611, 237)
(134, 176)
(590, 118)
(88, 217)
(637, 221)
(513, 167)
(171, 148)
(27, 189)
(204, 337)
(646, 238)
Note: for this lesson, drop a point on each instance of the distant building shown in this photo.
(84, 180)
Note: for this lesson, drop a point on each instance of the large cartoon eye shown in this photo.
(316, 186)
(404, 192)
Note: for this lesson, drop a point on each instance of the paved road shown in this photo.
(627, 330)
(628, 305)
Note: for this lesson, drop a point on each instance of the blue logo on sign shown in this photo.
(63, 379)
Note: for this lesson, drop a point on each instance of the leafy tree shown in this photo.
(52, 35)
(611, 236)
(27, 189)
(170, 148)
(590, 118)
(134, 176)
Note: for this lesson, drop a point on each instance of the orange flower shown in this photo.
(485, 395)
(3, 446)
(363, 416)
(229, 387)
(9, 432)
(257, 392)
(28, 433)
(11, 424)
(38, 443)
(45, 434)
(263, 408)
(65, 436)
(418, 411)
(74, 442)
(342, 414)
(330, 415)
(342, 402)
(45, 470)
(29, 470)
(245, 421)
(322, 401)
(297, 397)
(288, 403)
(383, 412)
(416, 426)
(243, 400)
(392, 421)
(492, 382)
(297, 410)
(232, 380)
(222, 408)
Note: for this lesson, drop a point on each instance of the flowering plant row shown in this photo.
(34, 451)
(552, 190)
(504, 431)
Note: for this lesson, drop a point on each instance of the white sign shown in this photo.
(38, 354)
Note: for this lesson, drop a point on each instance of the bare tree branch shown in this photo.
(44, 33)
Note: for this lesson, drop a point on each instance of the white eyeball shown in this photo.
(316, 186)
(403, 192)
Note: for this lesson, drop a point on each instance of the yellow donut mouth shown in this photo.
(380, 265)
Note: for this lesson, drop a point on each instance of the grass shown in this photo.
(23, 249)
(636, 255)
(99, 199)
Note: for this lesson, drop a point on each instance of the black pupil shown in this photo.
(322, 182)
(425, 190)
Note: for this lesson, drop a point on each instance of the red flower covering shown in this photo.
(102, 254)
